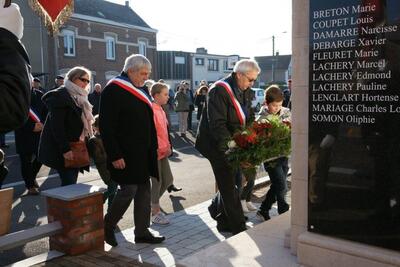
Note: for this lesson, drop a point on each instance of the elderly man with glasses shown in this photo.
(130, 140)
(228, 109)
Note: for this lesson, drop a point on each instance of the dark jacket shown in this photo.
(63, 125)
(94, 99)
(27, 141)
(219, 120)
(181, 101)
(200, 102)
(15, 85)
(128, 132)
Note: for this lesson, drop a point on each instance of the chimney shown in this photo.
(127, 3)
(201, 50)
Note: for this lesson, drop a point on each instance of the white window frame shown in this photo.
(199, 61)
(69, 42)
(226, 65)
(142, 47)
(213, 64)
(110, 47)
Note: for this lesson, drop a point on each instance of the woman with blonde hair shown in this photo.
(69, 120)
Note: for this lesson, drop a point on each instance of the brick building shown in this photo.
(99, 35)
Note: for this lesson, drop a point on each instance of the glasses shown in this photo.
(250, 80)
(84, 80)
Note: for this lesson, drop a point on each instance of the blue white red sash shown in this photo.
(238, 108)
(33, 116)
(128, 86)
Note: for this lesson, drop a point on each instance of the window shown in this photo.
(213, 64)
(69, 43)
(179, 60)
(111, 74)
(199, 61)
(142, 48)
(110, 47)
(226, 64)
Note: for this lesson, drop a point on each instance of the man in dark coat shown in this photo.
(227, 111)
(27, 141)
(15, 81)
(58, 82)
(94, 98)
(130, 140)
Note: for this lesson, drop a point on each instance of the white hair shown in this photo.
(136, 62)
(246, 65)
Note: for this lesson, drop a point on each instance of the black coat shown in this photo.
(200, 102)
(219, 120)
(63, 125)
(27, 141)
(94, 99)
(15, 85)
(128, 131)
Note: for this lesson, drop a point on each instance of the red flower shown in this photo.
(252, 137)
(240, 140)
(259, 127)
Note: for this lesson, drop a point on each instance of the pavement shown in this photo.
(191, 229)
(191, 232)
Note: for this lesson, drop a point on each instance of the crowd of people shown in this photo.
(118, 143)
(125, 129)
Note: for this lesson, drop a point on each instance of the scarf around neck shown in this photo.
(80, 97)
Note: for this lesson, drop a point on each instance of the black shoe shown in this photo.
(223, 228)
(263, 215)
(172, 187)
(283, 208)
(244, 228)
(149, 239)
(109, 237)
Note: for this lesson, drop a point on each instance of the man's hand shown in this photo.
(38, 127)
(68, 155)
(119, 164)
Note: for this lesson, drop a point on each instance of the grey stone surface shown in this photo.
(72, 192)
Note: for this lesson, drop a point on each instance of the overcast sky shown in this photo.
(243, 27)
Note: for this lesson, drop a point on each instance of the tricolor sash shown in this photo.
(33, 116)
(238, 108)
(128, 86)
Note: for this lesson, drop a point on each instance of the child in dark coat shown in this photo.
(99, 156)
(277, 169)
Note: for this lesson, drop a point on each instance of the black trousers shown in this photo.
(30, 167)
(189, 118)
(225, 178)
(141, 195)
(277, 172)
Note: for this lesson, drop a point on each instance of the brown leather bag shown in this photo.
(81, 155)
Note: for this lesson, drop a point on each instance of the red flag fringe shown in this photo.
(53, 26)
